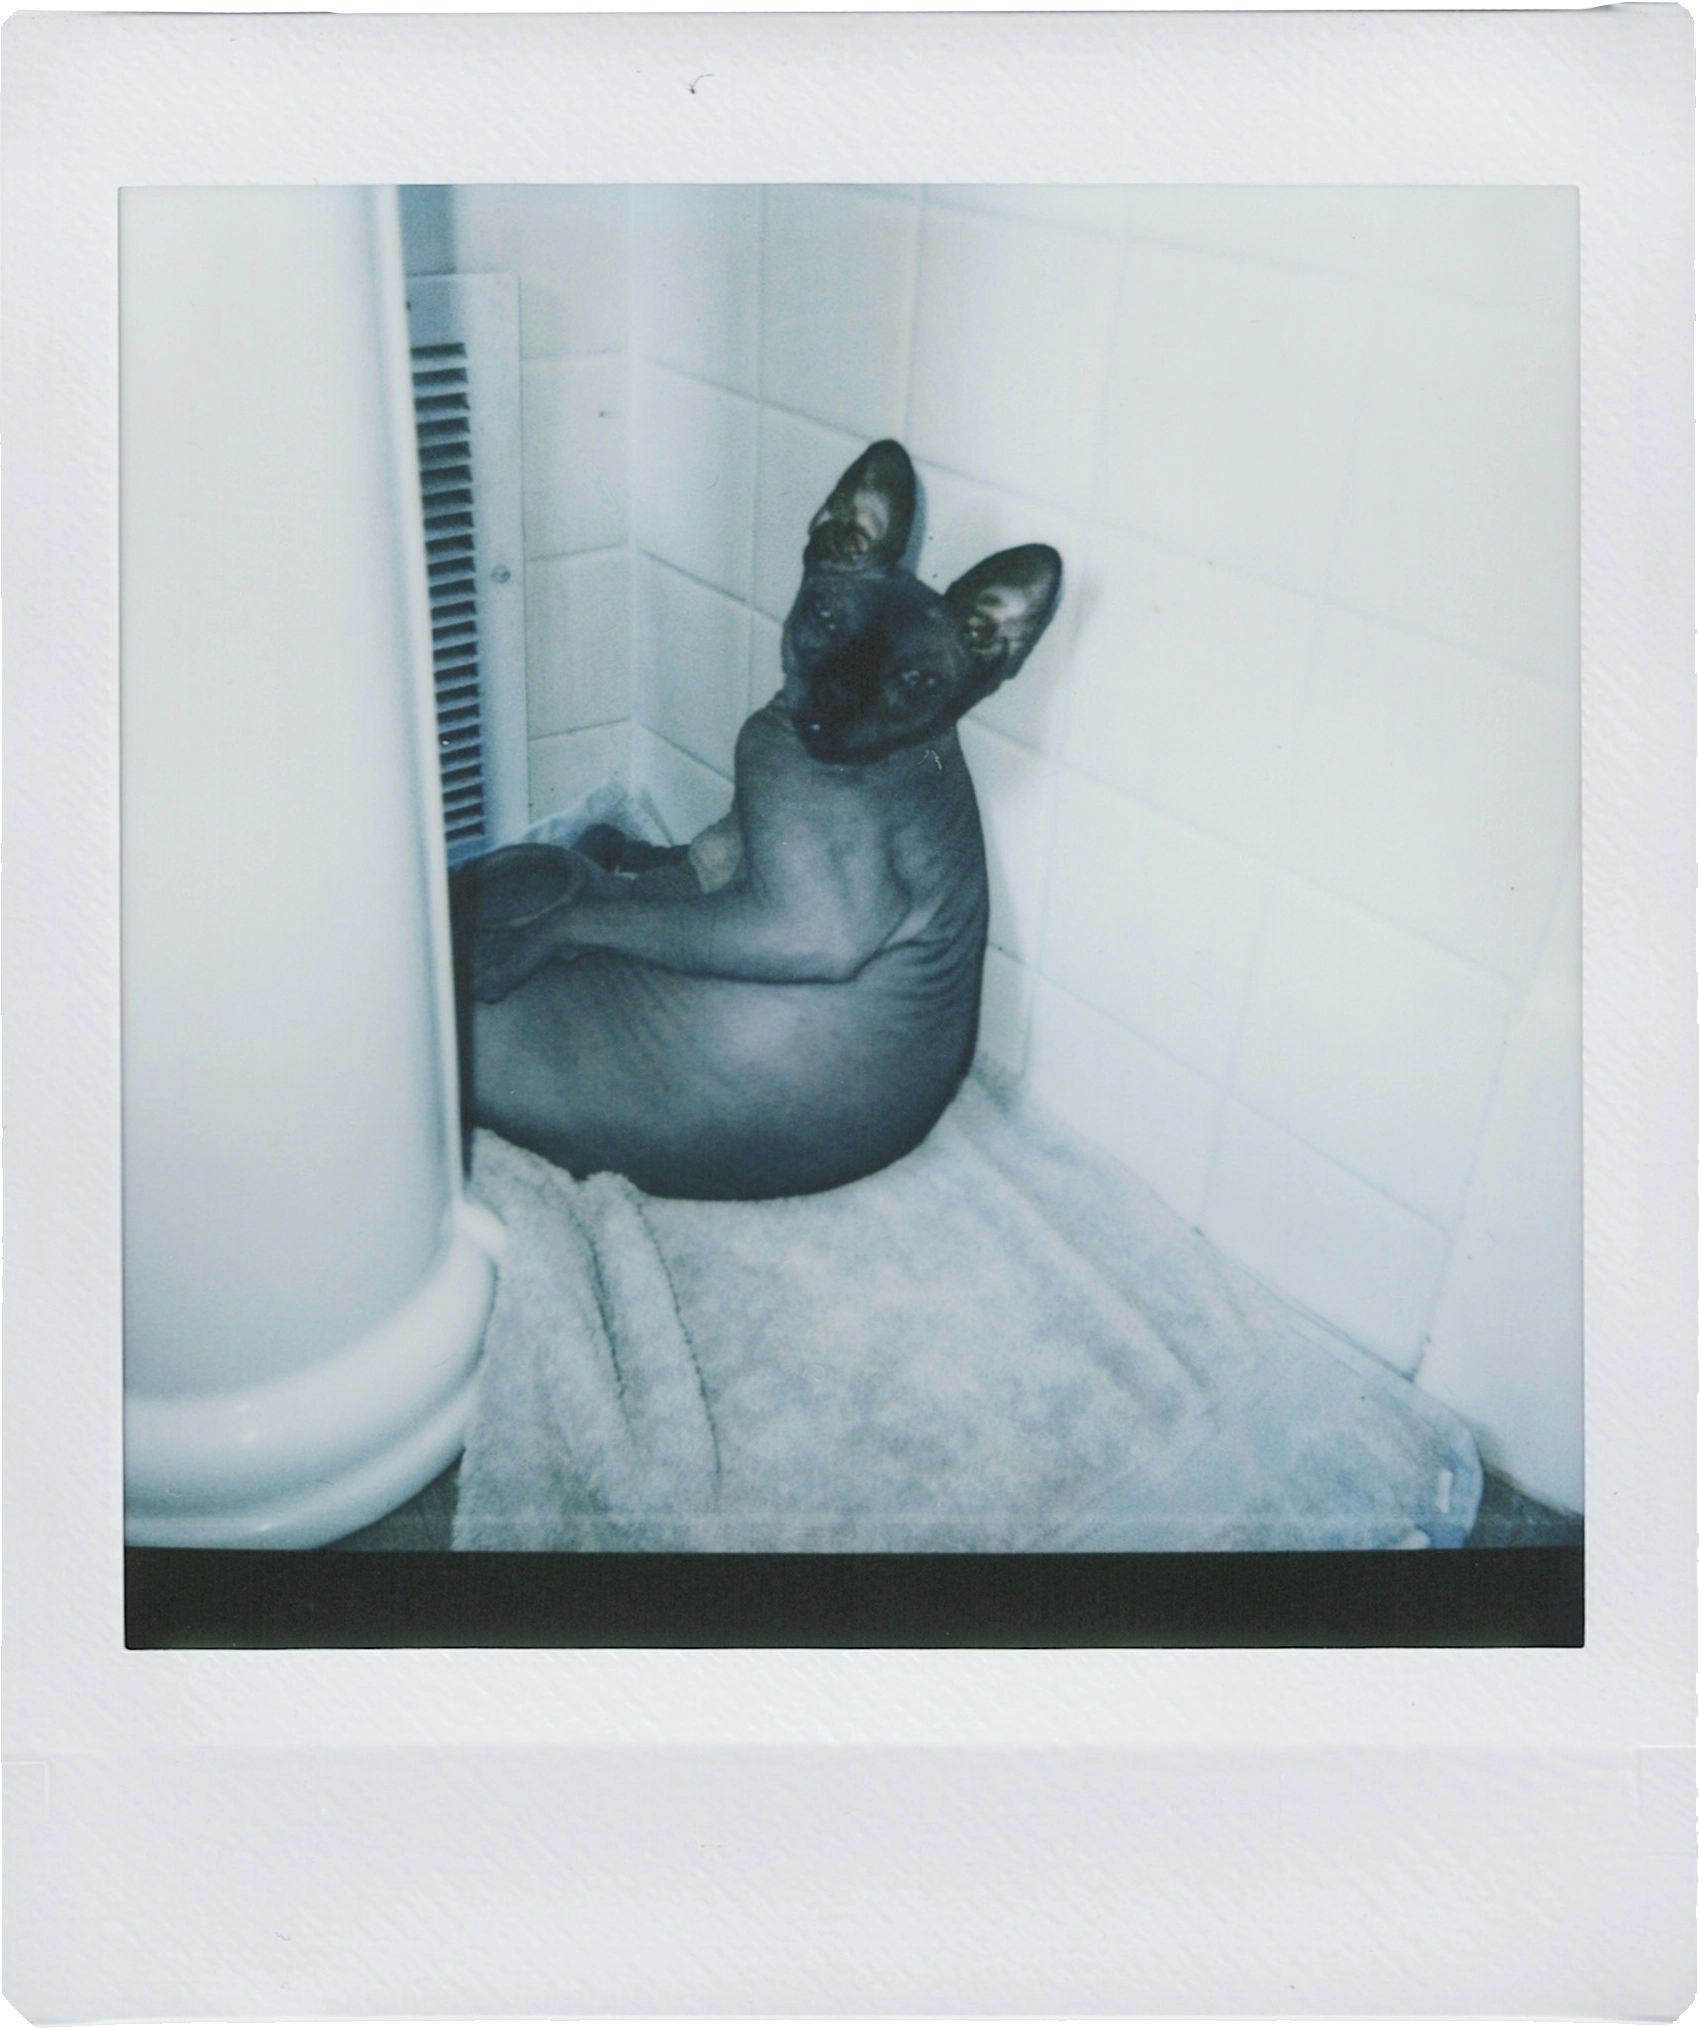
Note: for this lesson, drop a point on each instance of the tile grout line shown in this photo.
(684, 753)
(760, 439)
(1500, 1066)
(911, 312)
(1102, 526)
(1277, 868)
(1278, 860)
(1055, 762)
(634, 674)
(1298, 1139)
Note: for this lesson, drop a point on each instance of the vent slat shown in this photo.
(442, 405)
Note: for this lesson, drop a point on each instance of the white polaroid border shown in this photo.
(420, 1833)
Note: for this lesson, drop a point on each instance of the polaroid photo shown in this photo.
(869, 984)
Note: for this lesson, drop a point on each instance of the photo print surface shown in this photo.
(858, 877)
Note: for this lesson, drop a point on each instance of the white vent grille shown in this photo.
(442, 408)
(465, 346)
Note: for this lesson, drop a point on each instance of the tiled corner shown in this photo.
(766, 671)
(1091, 207)
(1463, 512)
(1366, 1265)
(1438, 790)
(568, 765)
(801, 462)
(1506, 1346)
(693, 476)
(1505, 1349)
(696, 260)
(688, 796)
(567, 243)
(576, 483)
(835, 289)
(1234, 388)
(1153, 1113)
(427, 228)
(1015, 787)
(1376, 1048)
(1010, 348)
(1005, 1007)
(692, 663)
(578, 641)
(1185, 689)
(963, 522)
(1150, 922)
(1344, 230)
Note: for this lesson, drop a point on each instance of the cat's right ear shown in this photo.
(868, 514)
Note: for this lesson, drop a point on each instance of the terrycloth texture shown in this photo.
(1003, 1342)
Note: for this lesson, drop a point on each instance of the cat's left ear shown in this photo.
(1002, 605)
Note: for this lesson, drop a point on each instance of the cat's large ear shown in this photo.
(1002, 605)
(869, 512)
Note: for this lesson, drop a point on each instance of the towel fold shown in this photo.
(1003, 1342)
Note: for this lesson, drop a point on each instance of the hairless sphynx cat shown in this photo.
(791, 1001)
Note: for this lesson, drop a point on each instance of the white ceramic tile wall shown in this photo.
(837, 278)
(1355, 1256)
(1005, 1010)
(1376, 1048)
(693, 476)
(1152, 922)
(1436, 789)
(1139, 1102)
(688, 796)
(1478, 408)
(1234, 395)
(684, 627)
(1505, 1349)
(695, 280)
(567, 765)
(1012, 331)
(567, 243)
(570, 248)
(1277, 815)
(578, 641)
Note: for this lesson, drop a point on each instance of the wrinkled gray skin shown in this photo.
(792, 1005)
